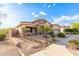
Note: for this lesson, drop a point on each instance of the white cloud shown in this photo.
(49, 6)
(42, 13)
(35, 15)
(54, 4)
(66, 20)
(19, 3)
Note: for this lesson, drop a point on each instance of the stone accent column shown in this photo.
(61, 29)
(9, 34)
(33, 30)
(20, 31)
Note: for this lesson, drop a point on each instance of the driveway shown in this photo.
(54, 50)
(64, 41)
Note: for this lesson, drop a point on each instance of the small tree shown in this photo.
(75, 25)
(47, 29)
(44, 29)
(41, 29)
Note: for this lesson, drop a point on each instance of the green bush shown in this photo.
(74, 44)
(61, 34)
(75, 33)
(3, 32)
(2, 37)
(71, 30)
(52, 35)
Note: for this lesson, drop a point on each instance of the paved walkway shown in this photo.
(54, 50)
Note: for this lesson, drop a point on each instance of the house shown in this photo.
(64, 27)
(25, 28)
(31, 26)
(56, 28)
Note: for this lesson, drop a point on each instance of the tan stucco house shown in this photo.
(32, 27)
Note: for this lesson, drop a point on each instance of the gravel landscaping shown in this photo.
(7, 48)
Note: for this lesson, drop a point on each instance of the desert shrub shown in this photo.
(67, 33)
(74, 44)
(2, 37)
(61, 34)
(3, 32)
(75, 33)
(71, 30)
(52, 35)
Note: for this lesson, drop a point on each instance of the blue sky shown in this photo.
(61, 13)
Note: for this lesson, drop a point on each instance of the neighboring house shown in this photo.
(56, 28)
(62, 28)
(65, 27)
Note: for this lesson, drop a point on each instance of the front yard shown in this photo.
(8, 49)
(29, 48)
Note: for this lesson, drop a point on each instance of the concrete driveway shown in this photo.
(64, 41)
(54, 50)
